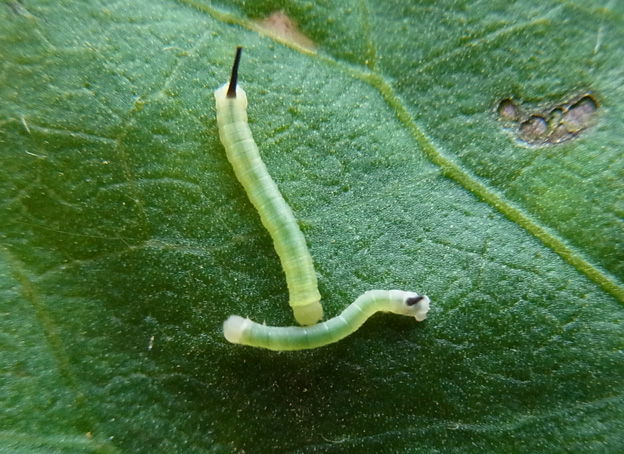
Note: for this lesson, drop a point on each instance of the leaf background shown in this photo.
(123, 227)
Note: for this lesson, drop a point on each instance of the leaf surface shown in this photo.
(408, 143)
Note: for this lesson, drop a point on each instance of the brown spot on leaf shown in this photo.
(580, 114)
(552, 124)
(559, 134)
(283, 28)
(534, 127)
(507, 109)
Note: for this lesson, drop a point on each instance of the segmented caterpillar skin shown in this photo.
(276, 215)
(239, 330)
(291, 247)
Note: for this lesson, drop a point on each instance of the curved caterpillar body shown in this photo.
(240, 330)
(276, 215)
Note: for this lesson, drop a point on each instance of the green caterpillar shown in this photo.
(239, 330)
(276, 215)
(291, 247)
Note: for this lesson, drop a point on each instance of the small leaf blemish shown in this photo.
(507, 110)
(552, 124)
(533, 128)
(281, 27)
(580, 114)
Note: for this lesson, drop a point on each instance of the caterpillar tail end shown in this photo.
(308, 314)
(234, 327)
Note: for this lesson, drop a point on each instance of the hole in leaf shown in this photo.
(552, 124)
(533, 128)
(580, 114)
(507, 109)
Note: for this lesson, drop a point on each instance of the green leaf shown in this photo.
(408, 145)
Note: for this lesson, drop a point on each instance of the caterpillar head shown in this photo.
(411, 304)
(419, 304)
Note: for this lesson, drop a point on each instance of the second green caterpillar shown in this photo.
(239, 330)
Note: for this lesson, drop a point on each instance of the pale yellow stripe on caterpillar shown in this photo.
(275, 214)
(239, 330)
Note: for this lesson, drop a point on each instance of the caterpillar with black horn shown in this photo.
(275, 214)
(291, 247)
